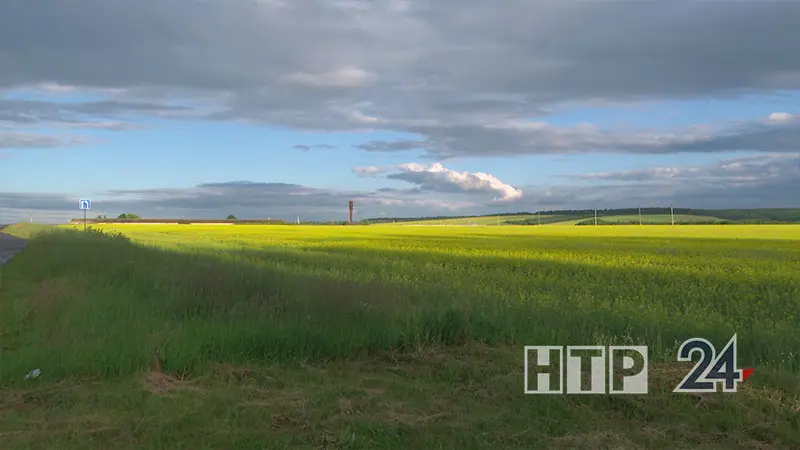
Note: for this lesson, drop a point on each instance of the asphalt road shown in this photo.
(9, 246)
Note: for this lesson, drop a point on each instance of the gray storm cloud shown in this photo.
(463, 75)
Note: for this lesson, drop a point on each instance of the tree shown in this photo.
(231, 217)
(128, 216)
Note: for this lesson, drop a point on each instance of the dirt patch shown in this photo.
(396, 416)
(14, 401)
(161, 383)
(666, 376)
(273, 399)
(229, 371)
(285, 407)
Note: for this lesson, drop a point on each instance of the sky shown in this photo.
(280, 109)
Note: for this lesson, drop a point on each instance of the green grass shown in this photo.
(654, 219)
(533, 219)
(26, 230)
(569, 221)
(389, 337)
(481, 220)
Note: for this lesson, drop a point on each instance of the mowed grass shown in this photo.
(192, 336)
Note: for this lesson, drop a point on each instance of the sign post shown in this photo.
(85, 205)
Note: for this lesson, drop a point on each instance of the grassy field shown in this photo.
(545, 219)
(653, 219)
(389, 337)
(26, 230)
(483, 220)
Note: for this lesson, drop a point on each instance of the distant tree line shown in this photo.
(755, 216)
(758, 215)
(776, 214)
(646, 222)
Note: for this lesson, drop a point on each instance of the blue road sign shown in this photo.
(86, 204)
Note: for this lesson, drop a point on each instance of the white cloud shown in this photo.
(57, 88)
(781, 117)
(14, 139)
(370, 170)
(436, 177)
(345, 77)
(757, 170)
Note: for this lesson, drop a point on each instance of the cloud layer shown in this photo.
(16, 139)
(463, 75)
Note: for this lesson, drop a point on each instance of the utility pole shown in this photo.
(595, 216)
(640, 215)
(672, 214)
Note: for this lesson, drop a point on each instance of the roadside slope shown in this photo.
(9, 246)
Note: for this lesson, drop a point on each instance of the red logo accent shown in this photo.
(746, 373)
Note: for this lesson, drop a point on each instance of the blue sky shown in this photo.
(395, 104)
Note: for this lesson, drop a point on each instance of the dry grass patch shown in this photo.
(158, 382)
(12, 401)
(232, 372)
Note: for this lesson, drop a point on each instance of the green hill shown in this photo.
(25, 230)
(511, 219)
(463, 221)
(764, 215)
(608, 216)
(652, 219)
